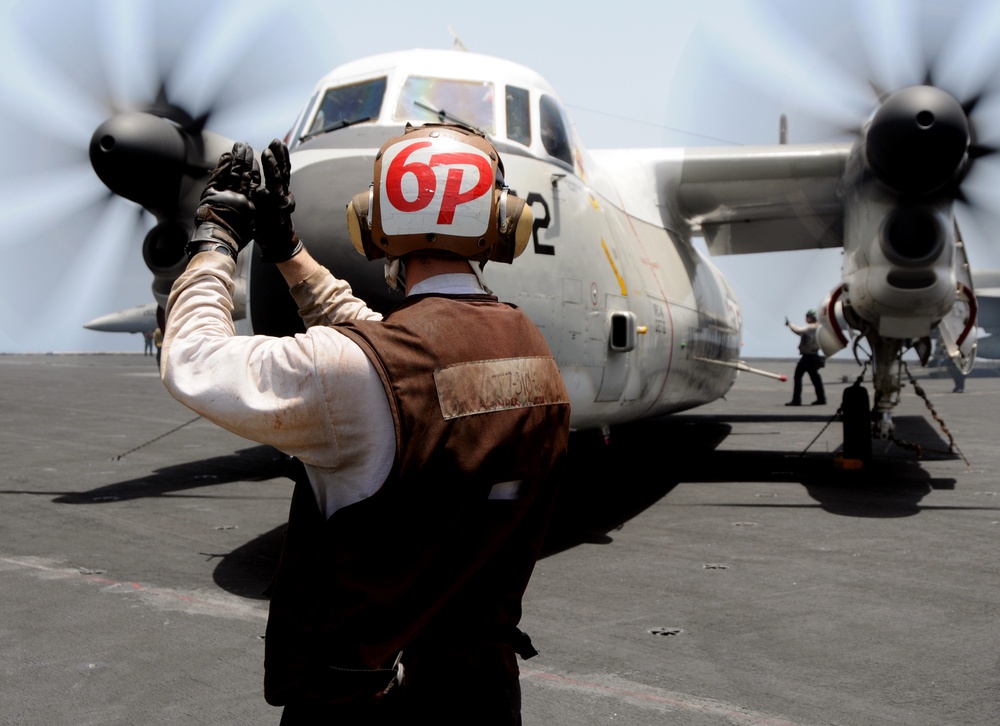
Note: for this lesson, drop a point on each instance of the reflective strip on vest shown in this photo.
(466, 389)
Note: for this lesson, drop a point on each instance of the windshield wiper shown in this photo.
(445, 116)
(335, 126)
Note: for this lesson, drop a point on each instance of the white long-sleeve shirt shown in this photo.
(315, 396)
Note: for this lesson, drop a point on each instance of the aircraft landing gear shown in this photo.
(883, 426)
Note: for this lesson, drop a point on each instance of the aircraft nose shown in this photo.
(141, 157)
(101, 323)
(322, 192)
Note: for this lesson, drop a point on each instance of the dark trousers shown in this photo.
(956, 375)
(809, 363)
(483, 704)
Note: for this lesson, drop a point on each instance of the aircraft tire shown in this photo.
(857, 418)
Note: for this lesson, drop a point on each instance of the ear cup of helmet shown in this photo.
(359, 225)
(515, 222)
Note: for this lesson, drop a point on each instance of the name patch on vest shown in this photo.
(466, 389)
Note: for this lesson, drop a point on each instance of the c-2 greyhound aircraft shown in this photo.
(641, 323)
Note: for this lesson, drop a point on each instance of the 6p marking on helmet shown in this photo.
(439, 187)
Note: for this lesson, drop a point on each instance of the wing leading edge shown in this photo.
(741, 199)
(764, 198)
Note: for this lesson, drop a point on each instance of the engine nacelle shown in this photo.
(900, 238)
(163, 253)
(900, 257)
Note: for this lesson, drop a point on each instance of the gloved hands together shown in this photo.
(275, 235)
(226, 212)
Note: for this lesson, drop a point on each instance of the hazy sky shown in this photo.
(656, 73)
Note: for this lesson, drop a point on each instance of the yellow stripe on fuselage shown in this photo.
(614, 268)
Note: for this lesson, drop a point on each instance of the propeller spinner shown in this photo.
(141, 157)
(918, 141)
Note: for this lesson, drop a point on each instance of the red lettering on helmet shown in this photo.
(453, 195)
(426, 181)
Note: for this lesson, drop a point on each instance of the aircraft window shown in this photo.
(440, 100)
(518, 115)
(554, 136)
(346, 105)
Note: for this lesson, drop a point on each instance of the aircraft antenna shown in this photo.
(783, 129)
(458, 44)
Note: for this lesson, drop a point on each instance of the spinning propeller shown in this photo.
(922, 74)
(918, 78)
(128, 69)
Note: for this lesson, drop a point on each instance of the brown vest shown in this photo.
(436, 561)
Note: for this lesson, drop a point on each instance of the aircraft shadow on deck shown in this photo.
(605, 486)
(256, 463)
(245, 571)
(608, 485)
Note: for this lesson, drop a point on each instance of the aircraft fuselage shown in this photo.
(632, 314)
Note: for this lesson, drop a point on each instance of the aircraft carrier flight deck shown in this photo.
(723, 566)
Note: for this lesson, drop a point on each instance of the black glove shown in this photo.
(274, 203)
(226, 213)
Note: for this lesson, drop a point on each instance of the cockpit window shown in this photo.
(439, 100)
(518, 115)
(346, 105)
(555, 137)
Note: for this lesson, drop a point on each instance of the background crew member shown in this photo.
(430, 441)
(810, 360)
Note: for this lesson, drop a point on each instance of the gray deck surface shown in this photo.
(717, 567)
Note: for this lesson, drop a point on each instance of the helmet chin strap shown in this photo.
(478, 272)
(394, 273)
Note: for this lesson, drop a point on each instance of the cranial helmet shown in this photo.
(439, 187)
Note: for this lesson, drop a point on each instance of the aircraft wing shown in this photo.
(742, 199)
(764, 198)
